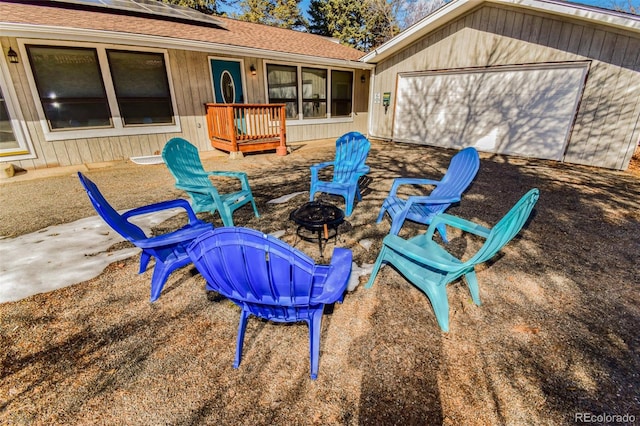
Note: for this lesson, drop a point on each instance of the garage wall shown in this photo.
(606, 128)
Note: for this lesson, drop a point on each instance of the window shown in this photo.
(88, 91)
(314, 93)
(283, 87)
(325, 93)
(141, 86)
(70, 87)
(341, 89)
(14, 140)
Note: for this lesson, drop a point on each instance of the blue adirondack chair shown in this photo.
(430, 267)
(167, 249)
(270, 279)
(184, 163)
(352, 150)
(462, 170)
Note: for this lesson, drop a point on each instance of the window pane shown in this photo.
(341, 90)
(8, 139)
(314, 93)
(141, 85)
(70, 86)
(282, 82)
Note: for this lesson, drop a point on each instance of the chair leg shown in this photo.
(376, 267)
(349, 200)
(442, 229)
(241, 328)
(472, 283)
(255, 208)
(315, 329)
(161, 272)
(437, 295)
(144, 261)
(383, 209)
(227, 216)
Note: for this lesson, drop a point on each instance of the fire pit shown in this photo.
(317, 217)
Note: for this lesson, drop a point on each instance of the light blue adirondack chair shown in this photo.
(268, 278)
(349, 165)
(461, 172)
(430, 267)
(168, 249)
(184, 163)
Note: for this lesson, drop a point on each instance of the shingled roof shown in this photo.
(232, 33)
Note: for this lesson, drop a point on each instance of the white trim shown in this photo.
(118, 128)
(18, 124)
(50, 32)
(456, 8)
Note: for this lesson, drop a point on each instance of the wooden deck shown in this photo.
(240, 128)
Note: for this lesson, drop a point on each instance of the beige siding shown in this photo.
(192, 88)
(606, 128)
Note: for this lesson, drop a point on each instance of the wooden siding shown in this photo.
(192, 88)
(606, 128)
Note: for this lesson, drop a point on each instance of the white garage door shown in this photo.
(525, 110)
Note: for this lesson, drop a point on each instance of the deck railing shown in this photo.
(241, 128)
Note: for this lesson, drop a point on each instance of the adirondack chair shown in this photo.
(352, 150)
(430, 267)
(168, 249)
(462, 169)
(183, 162)
(270, 279)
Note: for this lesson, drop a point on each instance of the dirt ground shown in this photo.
(556, 336)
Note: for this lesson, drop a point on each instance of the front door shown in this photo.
(227, 81)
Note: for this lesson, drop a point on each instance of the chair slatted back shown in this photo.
(507, 228)
(352, 150)
(248, 266)
(462, 170)
(123, 227)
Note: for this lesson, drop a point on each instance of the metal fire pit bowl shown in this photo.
(317, 217)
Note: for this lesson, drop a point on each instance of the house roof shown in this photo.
(457, 8)
(60, 21)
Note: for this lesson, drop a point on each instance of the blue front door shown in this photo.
(227, 81)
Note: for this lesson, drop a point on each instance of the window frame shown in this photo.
(301, 120)
(25, 149)
(118, 127)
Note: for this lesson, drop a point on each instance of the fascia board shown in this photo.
(129, 39)
(456, 8)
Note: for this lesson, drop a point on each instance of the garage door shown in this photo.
(525, 110)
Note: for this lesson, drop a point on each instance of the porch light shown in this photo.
(252, 69)
(13, 56)
(363, 79)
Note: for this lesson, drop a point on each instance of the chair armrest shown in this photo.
(457, 222)
(319, 166)
(163, 205)
(410, 181)
(427, 199)
(180, 236)
(242, 176)
(338, 277)
(419, 254)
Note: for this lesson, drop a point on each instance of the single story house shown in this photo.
(84, 82)
(535, 78)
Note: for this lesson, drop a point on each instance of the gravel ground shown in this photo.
(556, 335)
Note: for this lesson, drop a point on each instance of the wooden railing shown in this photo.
(239, 128)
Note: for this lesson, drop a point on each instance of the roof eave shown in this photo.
(458, 8)
(132, 39)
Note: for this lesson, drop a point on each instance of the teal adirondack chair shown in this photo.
(183, 162)
(428, 266)
(352, 150)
